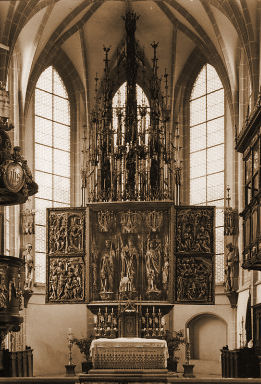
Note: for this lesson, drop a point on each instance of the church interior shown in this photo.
(130, 188)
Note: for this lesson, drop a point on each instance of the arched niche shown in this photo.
(207, 334)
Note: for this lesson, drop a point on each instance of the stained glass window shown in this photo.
(52, 156)
(207, 152)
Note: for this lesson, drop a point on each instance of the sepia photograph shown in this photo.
(130, 191)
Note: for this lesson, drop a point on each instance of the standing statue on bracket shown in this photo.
(129, 259)
(107, 268)
(231, 268)
(29, 266)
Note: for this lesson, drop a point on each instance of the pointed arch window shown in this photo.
(52, 156)
(207, 152)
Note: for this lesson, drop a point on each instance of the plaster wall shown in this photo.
(216, 328)
(46, 328)
(207, 328)
(258, 291)
(241, 315)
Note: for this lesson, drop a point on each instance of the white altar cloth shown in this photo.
(129, 353)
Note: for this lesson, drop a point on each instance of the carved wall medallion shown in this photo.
(13, 176)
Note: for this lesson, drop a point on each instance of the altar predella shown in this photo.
(131, 249)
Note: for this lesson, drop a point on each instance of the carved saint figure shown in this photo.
(53, 284)
(3, 293)
(75, 235)
(129, 258)
(29, 266)
(165, 272)
(203, 240)
(231, 268)
(153, 264)
(107, 267)
(94, 265)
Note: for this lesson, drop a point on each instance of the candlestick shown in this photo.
(70, 344)
(70, 335)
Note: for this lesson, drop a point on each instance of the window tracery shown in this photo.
(52, 156)
(207, 152)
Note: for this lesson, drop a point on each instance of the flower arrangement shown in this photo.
(174, 340)
(84, 345)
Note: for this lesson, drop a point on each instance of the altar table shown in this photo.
(129, 353)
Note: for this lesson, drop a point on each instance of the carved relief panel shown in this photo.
(194, 255)
(66, 255)
(129, 251)
(138, 251)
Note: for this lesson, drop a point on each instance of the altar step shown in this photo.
(206, 367)
(153, 373)
(125, 379)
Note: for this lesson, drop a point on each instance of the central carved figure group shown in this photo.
(127, 262)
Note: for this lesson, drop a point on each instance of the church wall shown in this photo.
(241, 315)
(258, 291)
(46, 328)
(221, 311)
(208, 327)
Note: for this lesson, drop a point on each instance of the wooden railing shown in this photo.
(17, 364)
(239, 363)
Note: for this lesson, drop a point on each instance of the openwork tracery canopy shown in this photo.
(130, 155)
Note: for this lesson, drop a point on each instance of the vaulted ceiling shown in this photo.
(35, 30)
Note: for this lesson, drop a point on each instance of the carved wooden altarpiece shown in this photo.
(130, 247)
(194, 275)
(153, 253)
(66, 255)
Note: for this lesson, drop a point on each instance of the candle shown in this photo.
(188, 334)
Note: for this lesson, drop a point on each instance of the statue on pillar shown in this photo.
(29, 266)
(231, 268)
